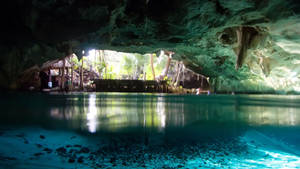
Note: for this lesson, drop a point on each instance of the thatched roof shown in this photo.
(56, 64)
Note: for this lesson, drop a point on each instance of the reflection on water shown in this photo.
(117, 112)
(160, 109)
(279, 116)
(92, 115)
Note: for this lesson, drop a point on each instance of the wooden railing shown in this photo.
(109, 85)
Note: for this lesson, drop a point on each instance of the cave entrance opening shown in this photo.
(119, 71)
(107, 70)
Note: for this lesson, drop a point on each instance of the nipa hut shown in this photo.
(60, 73)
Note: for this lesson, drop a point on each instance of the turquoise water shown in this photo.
(149, 131)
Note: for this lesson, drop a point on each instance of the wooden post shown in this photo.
(63, 75)
(176, 72)
(68, 79)
(59, 75)
(50, 79)
(81, 74)
(183, 75)
(168, 64)
(72, 76)
(100, 61)
(180, 67)
(152, 67)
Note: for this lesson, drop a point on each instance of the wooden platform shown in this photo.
(107, 85)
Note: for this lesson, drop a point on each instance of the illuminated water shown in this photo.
(151, 130)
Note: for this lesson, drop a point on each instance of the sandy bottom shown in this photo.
(39, 148)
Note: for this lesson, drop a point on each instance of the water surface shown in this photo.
(256, 129)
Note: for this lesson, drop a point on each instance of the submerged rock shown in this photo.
(22, 135)
(39, 145)
(73, 137)
(71, 160)
(77, 145)
(180, 166)
(4, 158)
(48, 150)
(73, 151)
(84, 150)
(38, 154)
(112, 160)
(61, 150)
(91, 157)
(80, 159)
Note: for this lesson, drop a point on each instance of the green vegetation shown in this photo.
(118, 65)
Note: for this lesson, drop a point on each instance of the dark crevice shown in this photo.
(219, 8)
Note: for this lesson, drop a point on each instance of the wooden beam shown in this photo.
(168, 65)
(72, 77)
(63, 75)
(81, 74)
(152, 67)
(50, 78)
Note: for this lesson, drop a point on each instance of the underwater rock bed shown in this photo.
(40, 148)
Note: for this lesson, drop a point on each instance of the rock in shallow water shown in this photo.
(39, 145)
(48, 150)
(61, 150)
(84, 150)
(80, 159)
(180, 166)
(3, 158)
(71, 160)
(112, 160)
(38, 154)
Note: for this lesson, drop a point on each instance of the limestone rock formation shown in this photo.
(250, 45)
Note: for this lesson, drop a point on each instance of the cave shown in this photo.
(150, 84)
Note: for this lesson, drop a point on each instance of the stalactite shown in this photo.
(239, 34)
(245, 36)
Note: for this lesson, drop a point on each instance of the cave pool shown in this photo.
(130, 130)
